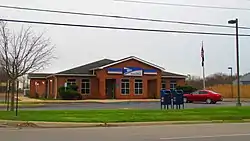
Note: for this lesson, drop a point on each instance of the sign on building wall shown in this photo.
(132, 71)
(115, 71)
(150, 71)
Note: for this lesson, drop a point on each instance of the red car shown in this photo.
(208, 96)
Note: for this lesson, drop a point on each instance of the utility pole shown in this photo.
(236, 22)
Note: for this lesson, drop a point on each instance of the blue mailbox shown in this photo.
(178, 98)
(172, 98)
(165, 98)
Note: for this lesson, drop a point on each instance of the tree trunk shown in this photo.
(12, 103)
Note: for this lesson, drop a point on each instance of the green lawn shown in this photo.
(207, 114)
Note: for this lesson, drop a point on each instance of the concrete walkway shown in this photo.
(41, 124)
(199, 132)
(31, 100)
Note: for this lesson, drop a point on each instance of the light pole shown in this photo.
(231, 70)
(237, 58)
(17, 97)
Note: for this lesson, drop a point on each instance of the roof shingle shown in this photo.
(38, 75)
(84, 69)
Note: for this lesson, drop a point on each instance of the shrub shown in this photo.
(73, 87)
(69, 93)
(186, 89)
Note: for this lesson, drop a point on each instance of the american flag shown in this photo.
(202, 55)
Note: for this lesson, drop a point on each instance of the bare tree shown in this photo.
(22, 52)
(211, 80)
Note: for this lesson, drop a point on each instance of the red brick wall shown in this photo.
(102, 75)
(179, 81)
(152, 89)
(97, 83)
(40, 89)
(51, 87)
(94, 92)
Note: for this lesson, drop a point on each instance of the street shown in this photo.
(195, 132)
(123, 105)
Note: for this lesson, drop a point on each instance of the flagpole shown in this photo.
(204, 81)
(203, 68)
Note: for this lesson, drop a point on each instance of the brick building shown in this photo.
(127, 78)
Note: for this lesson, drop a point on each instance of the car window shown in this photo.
(203, 92)
(196, 92)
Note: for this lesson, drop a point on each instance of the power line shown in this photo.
(123, 28)
(185, 5)
(119, 17)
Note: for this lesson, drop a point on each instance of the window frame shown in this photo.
(85, 86)
(138, 88)
(163, 82)
(127, 90)
(71, 82)
(173, 83)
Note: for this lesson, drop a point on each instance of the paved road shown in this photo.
(208, 132)
(133, 105)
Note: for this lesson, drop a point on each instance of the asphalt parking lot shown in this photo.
(124, 105)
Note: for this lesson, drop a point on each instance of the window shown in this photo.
(138, 87)
(125, 86)
(203, 92)
(195, 92)
(173, 84)
(163, 84)
(85, 87)
(71, 82)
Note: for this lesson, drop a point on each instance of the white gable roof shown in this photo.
(129, 58)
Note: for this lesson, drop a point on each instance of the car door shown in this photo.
(194, 96)
(203, 95)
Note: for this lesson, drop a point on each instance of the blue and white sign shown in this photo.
(132, 71)
(115, 71)
(150, 71)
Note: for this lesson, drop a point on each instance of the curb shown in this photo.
(24, 106)
(93, 101)
(35, 124)
(69, 102)
(108, 101)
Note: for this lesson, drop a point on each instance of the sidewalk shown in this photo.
(235, 99)
(36, 124)
(31, 100)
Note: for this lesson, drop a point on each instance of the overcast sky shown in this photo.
(178, 53)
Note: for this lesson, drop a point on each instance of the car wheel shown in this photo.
(208, 101)
(185, 100)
